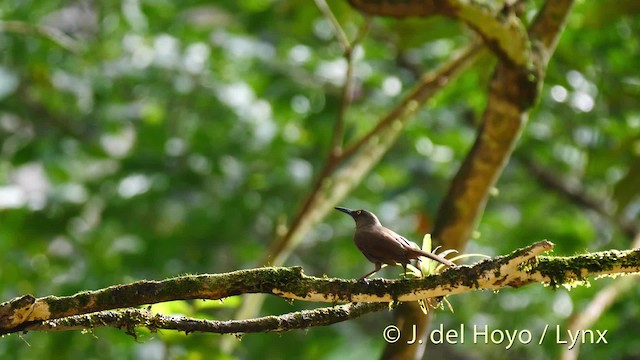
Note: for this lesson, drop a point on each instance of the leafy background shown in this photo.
(180, 136)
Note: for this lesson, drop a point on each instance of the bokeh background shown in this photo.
(150, 139)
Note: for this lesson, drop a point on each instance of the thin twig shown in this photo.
(578, 195)
(590, 313)
(58, 37)
(278, 251)
(428, 86)
(341, 36)
(347, 95)
(334, 158)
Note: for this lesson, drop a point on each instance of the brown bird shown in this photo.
(384, 246)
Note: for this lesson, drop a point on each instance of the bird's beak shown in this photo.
(345, 210)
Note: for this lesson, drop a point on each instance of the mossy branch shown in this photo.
(500, 28)
(131, 318)
(522, 267)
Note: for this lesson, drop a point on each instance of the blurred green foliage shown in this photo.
(182, 133)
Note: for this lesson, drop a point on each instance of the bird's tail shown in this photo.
(415, 252)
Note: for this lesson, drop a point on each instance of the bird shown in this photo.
(381, 245)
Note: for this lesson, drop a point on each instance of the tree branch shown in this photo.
(549, 24)
(591, 312)
(522, 267)
(503, 32)
(131, 318)
(512, 92)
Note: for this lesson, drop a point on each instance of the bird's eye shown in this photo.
(358, 212)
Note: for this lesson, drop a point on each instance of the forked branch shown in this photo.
(522, 267)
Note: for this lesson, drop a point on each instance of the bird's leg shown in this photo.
(366, 275)
(378, 267)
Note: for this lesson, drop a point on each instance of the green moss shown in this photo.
(65, 305)
(568, 270)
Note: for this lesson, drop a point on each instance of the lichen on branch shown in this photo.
(522, 267)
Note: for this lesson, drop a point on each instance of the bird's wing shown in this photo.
(401, 239)
(413, 251)
(380, 244)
